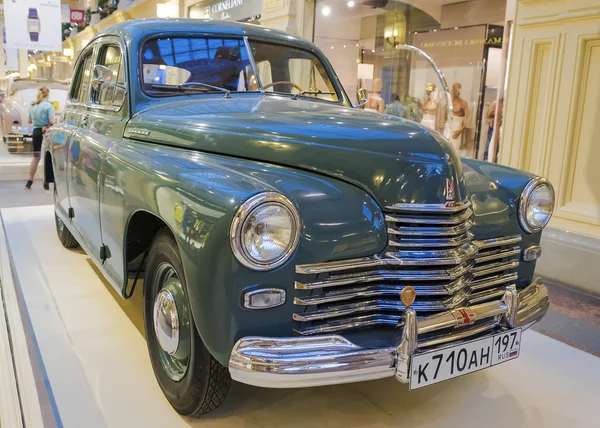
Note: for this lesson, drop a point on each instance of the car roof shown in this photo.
(134, 30)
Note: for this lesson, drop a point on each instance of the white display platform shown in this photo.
(94, 358)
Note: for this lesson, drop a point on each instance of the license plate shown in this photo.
(447, 363)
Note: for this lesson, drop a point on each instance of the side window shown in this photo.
(81, 82)
(112, 94)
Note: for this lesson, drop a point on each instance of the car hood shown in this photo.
(393, 159)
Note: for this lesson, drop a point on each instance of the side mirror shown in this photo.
(363, 97)
(102, 75)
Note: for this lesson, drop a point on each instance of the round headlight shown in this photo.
(536, 206)
(265, 231)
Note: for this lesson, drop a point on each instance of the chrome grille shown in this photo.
(430, 248)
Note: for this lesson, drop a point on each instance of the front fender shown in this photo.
(197, 195)
(495, 192)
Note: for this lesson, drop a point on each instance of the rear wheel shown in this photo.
(65, 236)
(189, 376)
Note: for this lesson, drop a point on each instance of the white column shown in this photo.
(2, 66)
(23, 63)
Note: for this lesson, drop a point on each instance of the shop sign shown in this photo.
(461, 42)
(77, 16)
(230, 10)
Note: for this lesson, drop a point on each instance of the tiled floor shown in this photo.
(13, 194)
(95, 357)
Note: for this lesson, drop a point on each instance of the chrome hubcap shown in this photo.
(171, 323)
(166, 321)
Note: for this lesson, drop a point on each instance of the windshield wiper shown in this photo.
(190, 86)
(309, 92)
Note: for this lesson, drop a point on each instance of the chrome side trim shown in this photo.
(327, 360)
(453, 207)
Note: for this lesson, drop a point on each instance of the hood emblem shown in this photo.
(139, 131)
(450, 194)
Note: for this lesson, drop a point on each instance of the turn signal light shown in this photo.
(531, 253)
(264, 298)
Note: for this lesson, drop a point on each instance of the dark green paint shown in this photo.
(205, 155)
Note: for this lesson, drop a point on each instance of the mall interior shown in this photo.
(326, 205)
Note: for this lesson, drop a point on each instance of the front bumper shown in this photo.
(328, 360)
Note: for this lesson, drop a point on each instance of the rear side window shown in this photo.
(110, 57)
(80, 88)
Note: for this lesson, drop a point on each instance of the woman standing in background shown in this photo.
(41, 115)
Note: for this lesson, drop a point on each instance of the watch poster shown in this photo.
(33, 25)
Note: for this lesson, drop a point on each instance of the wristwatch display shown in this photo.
(33, 24)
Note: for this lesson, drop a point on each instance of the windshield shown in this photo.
(221, 63)
(207, 64)
(288, 70)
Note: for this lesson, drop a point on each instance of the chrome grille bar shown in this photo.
(497, 254)
(446, 220)
(498, 242)
(492, 281)
(430, 248)
(429, 242)
(452, 256)
(430, 231)
(430, 208)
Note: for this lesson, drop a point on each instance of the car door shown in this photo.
(100, 124)
(59, 140)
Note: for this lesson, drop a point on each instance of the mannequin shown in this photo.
(375, 102)
(430, 108)
(458, 120)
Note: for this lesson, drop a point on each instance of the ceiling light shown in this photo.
(373, 50)
(344, 45)
(325, 10)
(351, 3)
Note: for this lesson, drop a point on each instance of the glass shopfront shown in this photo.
(366, 43)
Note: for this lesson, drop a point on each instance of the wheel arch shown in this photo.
(140, 229)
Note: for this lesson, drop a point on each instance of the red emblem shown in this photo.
(450, 189)
(464, 316)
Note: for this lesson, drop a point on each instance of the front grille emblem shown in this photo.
(408, 296)
(450, 194)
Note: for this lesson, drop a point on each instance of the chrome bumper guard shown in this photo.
(328, 360)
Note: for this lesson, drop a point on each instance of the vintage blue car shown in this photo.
(284, 237)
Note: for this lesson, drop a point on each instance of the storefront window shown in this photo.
(366, 43)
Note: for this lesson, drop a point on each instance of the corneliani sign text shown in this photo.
(224, 5)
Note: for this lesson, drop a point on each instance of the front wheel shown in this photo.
(189, 376)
